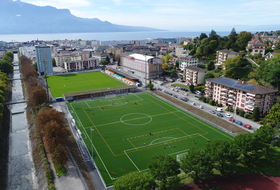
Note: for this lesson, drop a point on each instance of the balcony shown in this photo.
(252, 95)
(232, 92)
(224, 90)
(248, 107)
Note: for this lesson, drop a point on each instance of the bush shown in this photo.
(247, 116)
(211, 102)
(241, 113)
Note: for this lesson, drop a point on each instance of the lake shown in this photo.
(103, 36)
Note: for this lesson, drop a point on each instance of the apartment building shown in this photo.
(80, 65)
(44, 60)
(142, 66)
(222, 55)
(240, 94)
(187, 61)
(194, 75)
(255, 46)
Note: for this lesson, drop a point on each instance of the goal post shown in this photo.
(180, 156)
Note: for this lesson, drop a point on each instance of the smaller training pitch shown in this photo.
(124, 132)
(61, 84)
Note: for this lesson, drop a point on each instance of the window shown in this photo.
(242, 105)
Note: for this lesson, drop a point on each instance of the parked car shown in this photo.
(239, 123)
(185, 99)
(220, 115)
(219, 109)
(232, 120)
(247, 126)
(212, 111)
(228, 115)
(197, 92)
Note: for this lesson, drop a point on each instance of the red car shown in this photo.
(232, 120)
(248, 126)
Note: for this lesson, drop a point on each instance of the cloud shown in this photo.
(61, 3)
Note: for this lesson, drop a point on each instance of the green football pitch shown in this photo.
(61, 84)
(124, 132)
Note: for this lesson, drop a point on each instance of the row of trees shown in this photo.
(6, 68)
(49, 123)
(206, 46)
(6, 65)
(218, 155)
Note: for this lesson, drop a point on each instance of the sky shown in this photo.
(173, 14)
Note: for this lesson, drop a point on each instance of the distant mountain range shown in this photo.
(17, 17)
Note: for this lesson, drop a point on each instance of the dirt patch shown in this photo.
(214, 119)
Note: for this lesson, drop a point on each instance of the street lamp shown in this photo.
(91, 129)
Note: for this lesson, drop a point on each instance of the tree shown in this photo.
(150, 85)
(37, 96)
(208, 75)
(223, 154)
(202, 36)
(211, 66)
(192, 88)
(266, 135)
(164, 66)
(256, 114)
(164, 168)
(273, 116)
(135, 181)
(197, 164)
(103, 62)
(249, 147)
(53, 62)
(242, 39)
(237, 67)
(213, 35)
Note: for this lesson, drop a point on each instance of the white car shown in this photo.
(228, 115)
(219, 109)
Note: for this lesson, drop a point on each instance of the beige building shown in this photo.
(80, 65)
(222, 55)
(142, 66)
(186, 61)
(240, 94)
(255, 46)
(194, 75)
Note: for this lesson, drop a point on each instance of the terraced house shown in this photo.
(240, 94)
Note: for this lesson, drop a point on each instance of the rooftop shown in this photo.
(241, 85)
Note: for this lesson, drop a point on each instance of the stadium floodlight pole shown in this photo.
(91, 129)
(145, 73)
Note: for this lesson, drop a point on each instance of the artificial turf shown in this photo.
(124, 132)
(61, 84)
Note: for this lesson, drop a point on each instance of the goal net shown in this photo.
(111, 96)
(180, 156)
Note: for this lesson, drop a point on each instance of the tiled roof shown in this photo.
(228, 51)
(193, 68)
(237, 84)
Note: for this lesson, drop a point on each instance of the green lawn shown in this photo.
(128, 130)
(61, 84)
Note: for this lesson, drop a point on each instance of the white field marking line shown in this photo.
(138, 97)
(111, 99)
(195, 118)
(94, 147)
(87, 104)
(161, 142)
(176, 153)
(204, 137)
(162, 138)
(134, 119)
(132, 161)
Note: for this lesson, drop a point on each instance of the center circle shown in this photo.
(136, 119)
